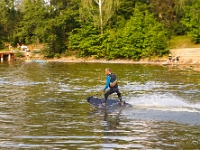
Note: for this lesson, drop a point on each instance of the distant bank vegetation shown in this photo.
(100, 28)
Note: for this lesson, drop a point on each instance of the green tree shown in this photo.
(99, 11)
(126, 8)
(170, 13)
(48, 23)
(31, 29)
(86, 40)
(10, 18)
(62, 19)
(192, 20)
(2, 22)
(142, 36)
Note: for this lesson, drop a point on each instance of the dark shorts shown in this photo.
(111, 91)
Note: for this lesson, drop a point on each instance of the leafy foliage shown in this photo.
(31, 28)
(9, 21)
(192, 20)
(47, 51)
(99, 11)
(142, 36)
(19, 54)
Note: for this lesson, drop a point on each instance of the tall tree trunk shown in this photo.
(101, 15)
(99, 10)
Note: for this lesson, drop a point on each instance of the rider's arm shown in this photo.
(107, 82)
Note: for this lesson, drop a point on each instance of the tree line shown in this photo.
(101, 28)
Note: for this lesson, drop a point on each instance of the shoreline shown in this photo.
(162, 61)
(187, 56)
(73, 59)
(158, 62)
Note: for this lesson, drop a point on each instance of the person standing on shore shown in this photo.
(27, 55)
(11, 48)
(111, 81)
(18, 47)
(170, 59)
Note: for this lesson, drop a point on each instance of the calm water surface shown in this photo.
(43, 106)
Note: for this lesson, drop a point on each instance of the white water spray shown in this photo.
(164, 102)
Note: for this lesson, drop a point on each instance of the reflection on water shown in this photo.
(43, 106)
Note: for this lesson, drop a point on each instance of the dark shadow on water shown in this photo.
(109, 122)
(109, 117)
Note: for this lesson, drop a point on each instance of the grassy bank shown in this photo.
(177, 42)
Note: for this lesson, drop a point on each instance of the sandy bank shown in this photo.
(187, 56)
(114, 61)
(181, 65)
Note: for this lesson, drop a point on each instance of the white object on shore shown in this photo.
(24, 48)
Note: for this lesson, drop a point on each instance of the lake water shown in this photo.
(43, 106)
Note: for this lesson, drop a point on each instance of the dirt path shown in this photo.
(187, 55)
